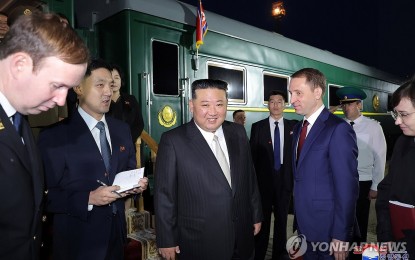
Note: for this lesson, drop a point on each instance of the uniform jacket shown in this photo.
(73, 164)
(21, 178)
(326, 182)
(196, 208)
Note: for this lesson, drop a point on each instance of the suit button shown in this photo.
(34, 237)
(44, 218)
(46, 192)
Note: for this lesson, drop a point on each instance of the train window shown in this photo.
(165, 68)
(333, 99)
(390, 108)
(234, 76)
(275, 82)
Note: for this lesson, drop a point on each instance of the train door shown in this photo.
(167, 82)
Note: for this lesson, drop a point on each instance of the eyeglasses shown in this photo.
(403, 115)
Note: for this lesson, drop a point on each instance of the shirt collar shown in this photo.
(209, 135)
(10, 111)
(89, 120)
(312, 119)
(357, 120)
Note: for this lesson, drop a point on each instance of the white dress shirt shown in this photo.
(372, 150)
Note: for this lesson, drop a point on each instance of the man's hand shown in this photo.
(142, 186)
(339, 248)
(169, 253)
(257, 228)
(373, 194)
(103, 195)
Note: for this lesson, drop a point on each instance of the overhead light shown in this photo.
(278, 10)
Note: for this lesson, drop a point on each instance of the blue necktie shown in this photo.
(106, 154)
(17, 122)
(277, 157)
(105, 147)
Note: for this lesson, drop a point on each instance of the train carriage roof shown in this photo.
(88, 12)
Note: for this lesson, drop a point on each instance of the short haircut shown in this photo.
(406, 90)
(120, 71)
(41, 36)
(236, 112)
(97, 64)
(314, 78)
(209, 83)
(277, 92)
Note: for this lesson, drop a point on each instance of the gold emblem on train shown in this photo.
(375, 102)
(167, 116)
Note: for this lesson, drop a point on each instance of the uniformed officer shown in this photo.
(372, 153)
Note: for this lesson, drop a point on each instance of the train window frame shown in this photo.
(329, 89)
(277, 75)
(153, 69)
(228, 66)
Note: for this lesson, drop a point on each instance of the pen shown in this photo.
(103, 184)
(100, 182)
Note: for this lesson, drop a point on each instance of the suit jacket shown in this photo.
(21, 177)
(397, 185)
(196, 208)
(263, 157)
(128, 110)
(73, 164)
(326, 181)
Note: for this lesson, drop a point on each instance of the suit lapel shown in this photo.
(11, 138)
(313, 134)
(232, 145)
(266, 138)
(79, 131)
(197, 139)
(115, 150)
(34, 159)
(287, 132)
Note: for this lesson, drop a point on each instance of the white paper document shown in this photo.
(128, 180)
(401, 204)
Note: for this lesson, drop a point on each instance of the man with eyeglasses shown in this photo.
(372, 153)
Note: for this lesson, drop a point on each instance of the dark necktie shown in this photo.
(105, 147)
(17, 122)
(351, 123)
(277, 157)
(106, 154)
(303, 135)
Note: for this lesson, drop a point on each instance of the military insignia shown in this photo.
(375, 102)
(1, 125)
(167, 116)
(27, 11)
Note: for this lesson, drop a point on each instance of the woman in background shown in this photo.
(399, 183)
(124, 106)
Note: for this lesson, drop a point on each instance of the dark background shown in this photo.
(377, 33)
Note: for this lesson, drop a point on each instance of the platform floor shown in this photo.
(371, 234)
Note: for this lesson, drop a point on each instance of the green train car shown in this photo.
(154, 41)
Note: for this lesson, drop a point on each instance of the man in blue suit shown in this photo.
(326, 182)
(89, 220)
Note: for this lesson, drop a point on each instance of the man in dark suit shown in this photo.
(207, 202)
(326, 182)
(31, 80)
(275, 182)
(81, 156)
